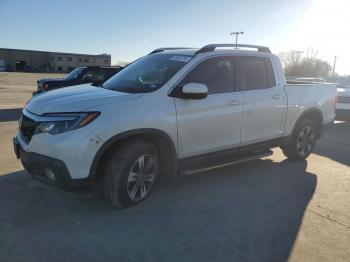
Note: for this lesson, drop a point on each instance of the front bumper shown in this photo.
(49, 170)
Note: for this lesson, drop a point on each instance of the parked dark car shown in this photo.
(9, 68)
(80, 75)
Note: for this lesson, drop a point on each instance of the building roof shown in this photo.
(51, 52)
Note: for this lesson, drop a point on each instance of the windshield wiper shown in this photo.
(97, 84)
(131, 90)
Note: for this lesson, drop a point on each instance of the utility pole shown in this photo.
(335, 62)
(236, 34)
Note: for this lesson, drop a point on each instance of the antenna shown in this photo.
(236, 34)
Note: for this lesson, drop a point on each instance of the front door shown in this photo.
(213, 123)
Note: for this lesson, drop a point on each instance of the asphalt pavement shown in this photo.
(270, 209)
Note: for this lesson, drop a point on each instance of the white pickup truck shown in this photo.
(174, 111)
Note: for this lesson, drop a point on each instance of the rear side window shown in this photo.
(216, 73)
(255, 73)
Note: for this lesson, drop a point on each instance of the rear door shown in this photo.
(263, 100)
(213, 123)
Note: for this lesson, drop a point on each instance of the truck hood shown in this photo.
(75, 99)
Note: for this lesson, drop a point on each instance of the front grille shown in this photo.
(343, 99)
(27, 127)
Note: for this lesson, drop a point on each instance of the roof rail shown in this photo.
(209, 48)
(158, 50)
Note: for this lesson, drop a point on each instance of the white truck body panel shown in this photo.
(264, 109)
(302, 97)
(197, 135)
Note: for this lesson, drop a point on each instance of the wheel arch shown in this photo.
(161, 140)
(314, 114)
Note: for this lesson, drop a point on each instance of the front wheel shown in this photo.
(130, 174)
(302, 142)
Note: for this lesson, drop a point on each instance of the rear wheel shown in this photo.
(302, 142)
(130, 174)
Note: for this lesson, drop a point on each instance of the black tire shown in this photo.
(297, 148)
(118, 171)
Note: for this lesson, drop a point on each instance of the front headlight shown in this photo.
(59, 123)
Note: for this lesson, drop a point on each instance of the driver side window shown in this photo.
(216, 73)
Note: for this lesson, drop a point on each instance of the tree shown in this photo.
(295, 65)
(122, 63)
(290, 60)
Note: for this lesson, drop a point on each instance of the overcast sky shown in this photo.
(130, 29)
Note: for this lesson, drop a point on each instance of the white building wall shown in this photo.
(67, 62)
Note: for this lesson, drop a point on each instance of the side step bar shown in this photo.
(236, 160)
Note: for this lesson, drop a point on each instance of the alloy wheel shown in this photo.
(141, 177)
(305, 141)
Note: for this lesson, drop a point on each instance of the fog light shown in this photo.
(49, 174)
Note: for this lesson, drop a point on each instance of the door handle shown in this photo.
(234, 103)
(276, 97)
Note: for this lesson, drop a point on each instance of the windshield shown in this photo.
(75, 73)
(147, 74)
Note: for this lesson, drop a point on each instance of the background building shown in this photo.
(42, 61)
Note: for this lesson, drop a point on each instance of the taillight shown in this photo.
(335, 101)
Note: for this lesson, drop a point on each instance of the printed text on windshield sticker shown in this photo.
(180, 58)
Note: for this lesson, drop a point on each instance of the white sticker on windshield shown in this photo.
(180, 58)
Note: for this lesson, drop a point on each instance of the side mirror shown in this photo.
(194, 91)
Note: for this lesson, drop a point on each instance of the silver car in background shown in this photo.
(343, 105)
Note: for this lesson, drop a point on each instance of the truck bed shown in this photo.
(306, 95)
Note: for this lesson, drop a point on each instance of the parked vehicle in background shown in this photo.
(80, 75)
(2, 66)
(170, 112)
(9, 68)
(310, 79)
(343, 104)
(29, 69)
